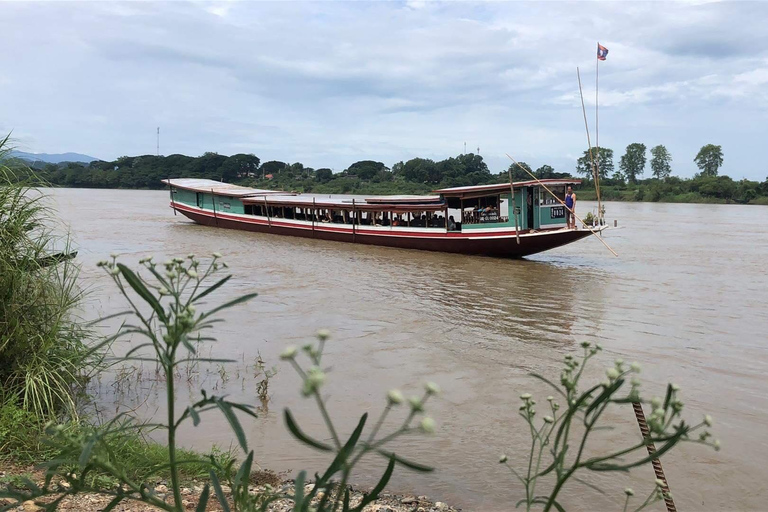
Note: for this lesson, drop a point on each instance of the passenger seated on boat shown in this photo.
(396, 222)
(451, 224)
(325, 218)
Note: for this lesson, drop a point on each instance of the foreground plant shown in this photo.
(163, 300)
(44, 350)
(563, 434)
(329, 489)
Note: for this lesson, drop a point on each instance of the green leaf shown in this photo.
(229, 304)
(405, 462)
(142, 290)
(244, 472)
(374, 494)
(298, 495)
(203, 503)
(193, 414)
(210, 289)
(226, 410)
(552, 384)
(301, 436)
(85, 455)
(219, 492)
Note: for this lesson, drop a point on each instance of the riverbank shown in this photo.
(649, 195)
(262, 482)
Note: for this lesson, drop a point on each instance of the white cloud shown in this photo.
(329, 83)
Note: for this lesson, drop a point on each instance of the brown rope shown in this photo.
(645, 431)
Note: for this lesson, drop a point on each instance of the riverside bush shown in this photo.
(43, 346)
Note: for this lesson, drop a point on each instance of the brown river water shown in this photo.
(686, 298)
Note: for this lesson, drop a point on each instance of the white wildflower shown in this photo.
(288, 353)
(395, 397)
(428, 425)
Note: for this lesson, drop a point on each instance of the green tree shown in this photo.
(519, 174)
(604, 163)
(324, 175)
(632, 164)
(709, 159)
(661, 162)
(366, 169)
(273, 167)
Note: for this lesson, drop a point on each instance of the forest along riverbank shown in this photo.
(478, 327)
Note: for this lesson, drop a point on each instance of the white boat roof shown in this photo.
(218, 187)
(403, 199)
(501, 187)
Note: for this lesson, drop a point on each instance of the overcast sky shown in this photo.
(330, 83)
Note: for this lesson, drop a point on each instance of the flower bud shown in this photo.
(323, 334)
(716, 445)
(612, 373)
(395, 397)
(655, 402)
(416, 404)
(217, 255)
(503, 459)
(288, 353)
(585, 344)
(635, 367)
(629, 492)
(163, 291)
(674, 387)
(549, 419)
(550, 398)
(114, 255)
(191, 256)
(660, 483)
(427, 425)
(191, 273)
(525, 396)
(708, 420)
(102, 263)
(114, 271)
(432, 388)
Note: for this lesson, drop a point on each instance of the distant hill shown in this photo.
(56, 158)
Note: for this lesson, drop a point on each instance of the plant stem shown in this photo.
(172, 437)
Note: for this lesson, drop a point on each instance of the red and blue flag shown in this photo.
(602, 52)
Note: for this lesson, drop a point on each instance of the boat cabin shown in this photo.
(488, 206)
(458, 209)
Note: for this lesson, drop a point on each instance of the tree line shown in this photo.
(421, 175)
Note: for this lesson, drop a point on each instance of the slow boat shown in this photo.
(466, 220)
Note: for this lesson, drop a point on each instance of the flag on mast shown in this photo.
(602, 52)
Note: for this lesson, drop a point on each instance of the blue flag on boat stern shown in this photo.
(602, 52)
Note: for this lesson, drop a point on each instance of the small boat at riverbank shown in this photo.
(465, 220)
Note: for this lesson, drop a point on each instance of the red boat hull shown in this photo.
(501, 244)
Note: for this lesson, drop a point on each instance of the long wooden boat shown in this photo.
(466, 220)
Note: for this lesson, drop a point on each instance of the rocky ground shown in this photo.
(191, 492)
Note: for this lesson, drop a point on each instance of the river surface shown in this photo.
(687, 299)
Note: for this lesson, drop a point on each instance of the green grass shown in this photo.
(23, 441)
(43, 346)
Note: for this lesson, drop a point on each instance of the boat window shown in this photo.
(483, 210)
